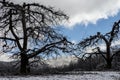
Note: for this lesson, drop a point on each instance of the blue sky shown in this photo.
(81, 31)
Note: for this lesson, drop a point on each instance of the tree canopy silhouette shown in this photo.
(28, 30)
(107, 39)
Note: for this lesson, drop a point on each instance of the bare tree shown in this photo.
(28, 31)
(106, 39)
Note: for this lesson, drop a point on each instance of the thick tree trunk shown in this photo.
(108, 57)
(109, 64)
(24, 67)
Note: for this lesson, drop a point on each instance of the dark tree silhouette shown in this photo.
(106, 39)
(28, 31)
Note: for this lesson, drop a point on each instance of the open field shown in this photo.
(70, 76)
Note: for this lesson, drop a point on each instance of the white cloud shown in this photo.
(61, 61)
(74, 41)
(83, 11)
(5, 57)
(117, 42)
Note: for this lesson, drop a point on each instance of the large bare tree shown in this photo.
(107, 39)
(29, 30)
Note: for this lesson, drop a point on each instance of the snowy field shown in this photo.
(72, 76)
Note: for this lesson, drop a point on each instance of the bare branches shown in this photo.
(32, 29)
(89, 41)
(106, 39)
(54, 45)
(6, 38)
(32, 26)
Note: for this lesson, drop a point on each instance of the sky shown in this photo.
(85, 18)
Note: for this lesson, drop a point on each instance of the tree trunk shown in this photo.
(24, 67)
(108, 56)
(109, 64)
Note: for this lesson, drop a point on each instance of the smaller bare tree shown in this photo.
(107, 39)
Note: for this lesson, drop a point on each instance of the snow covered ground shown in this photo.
(73, 76)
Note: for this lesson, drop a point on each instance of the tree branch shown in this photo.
(44, 48)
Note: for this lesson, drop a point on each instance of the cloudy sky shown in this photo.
(86, 17)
